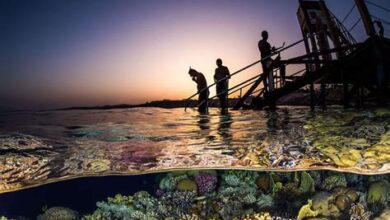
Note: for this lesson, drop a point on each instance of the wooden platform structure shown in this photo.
(363, 73)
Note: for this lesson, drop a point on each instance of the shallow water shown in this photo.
(41, 147)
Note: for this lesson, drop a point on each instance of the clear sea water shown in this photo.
(37, 148)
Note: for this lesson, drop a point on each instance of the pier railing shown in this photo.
(243, 84)
(279, 80)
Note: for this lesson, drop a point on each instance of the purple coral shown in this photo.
(206, 182)
(160, 193)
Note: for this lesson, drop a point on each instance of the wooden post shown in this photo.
(346, 95)
(332, 28)
(317, 66)
(345, 89)
(361, 94)
(378, 60)
(323, 95)
(309, 30)
(366, 18)
(312, 103)
(370, 31)
(282, 80)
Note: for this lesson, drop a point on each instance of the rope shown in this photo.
(382, 20)
(348, 14)
(354, 25)
(378, 6)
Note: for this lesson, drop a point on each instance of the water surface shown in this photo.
(40, 147)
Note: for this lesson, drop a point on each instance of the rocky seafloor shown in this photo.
(240, 194)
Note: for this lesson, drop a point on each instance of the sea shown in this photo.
(156, 163)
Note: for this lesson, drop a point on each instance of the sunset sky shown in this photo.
(93, 52)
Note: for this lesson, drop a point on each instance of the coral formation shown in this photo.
(97, 165)
(207, 182)
(263, 182)
(265, 201)
(232, 180)
(306, 211)
(385, 215)
(306, 184)
(120, 199)
(378, 192)
(227, 195)
(323, 203)
(382, 112)
(58, 213)
(379, 152)
(255, 216)
(359, 212)
(187, 185)
(334, 180)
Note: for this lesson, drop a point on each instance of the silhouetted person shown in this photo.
(222, 72)
(265, 51)
(202, 90)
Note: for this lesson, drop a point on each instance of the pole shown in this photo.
(345, 89)
(317, 66)
(331, 26)
(366, 18)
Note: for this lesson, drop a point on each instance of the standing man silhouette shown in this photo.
(203, 91)
(221, 77)
(265, 51)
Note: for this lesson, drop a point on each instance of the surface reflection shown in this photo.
(224, 126)
(37, 148)
(204, 122)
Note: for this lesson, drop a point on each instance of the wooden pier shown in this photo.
(333, 59)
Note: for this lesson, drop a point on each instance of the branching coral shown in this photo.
(206, 182)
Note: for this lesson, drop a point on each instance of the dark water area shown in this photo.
(79, 194)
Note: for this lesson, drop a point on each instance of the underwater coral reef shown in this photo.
(242, 194)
